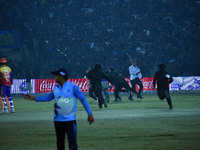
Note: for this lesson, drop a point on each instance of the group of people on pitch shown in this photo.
(96, 75)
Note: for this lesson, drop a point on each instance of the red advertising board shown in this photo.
(146, 81)
(83, 83)
(147, 84)
(46, 85)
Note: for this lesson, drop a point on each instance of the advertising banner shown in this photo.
(147, 84)
(46, 85)
(10, 39)
(83, 84)
(185, 83)
(18, 83)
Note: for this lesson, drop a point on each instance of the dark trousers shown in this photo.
(61, 129)
(118, 88)
(162, 94)
(97, 89)
(91, 94)
(138, 82)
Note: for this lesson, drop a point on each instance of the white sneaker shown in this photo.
(5, 110)
(12, 110)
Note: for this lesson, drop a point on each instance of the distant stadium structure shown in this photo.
(78, 34)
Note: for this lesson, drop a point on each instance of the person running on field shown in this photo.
(119, 83)
(95, 76)
(91, 93)
(163, 79)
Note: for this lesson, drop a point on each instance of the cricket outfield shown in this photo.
(145, 124)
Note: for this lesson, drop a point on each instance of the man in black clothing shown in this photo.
(119, 83)
(95, 75)
(91, 94)
(163, 79)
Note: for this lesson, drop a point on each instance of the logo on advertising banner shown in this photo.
(185, 83)
(82, 83)
(177, 84)
(85, 86)
(17, 83)
(191, 83)
(147, 84)
(44, 85)
(47, 85)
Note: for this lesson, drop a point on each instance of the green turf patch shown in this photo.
(145, 124)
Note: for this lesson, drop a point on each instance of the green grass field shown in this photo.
(145, 124)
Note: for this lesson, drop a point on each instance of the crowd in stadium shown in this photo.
(78, 34)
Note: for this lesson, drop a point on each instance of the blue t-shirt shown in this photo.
(66, 101)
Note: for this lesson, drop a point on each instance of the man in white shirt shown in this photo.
(135, 76)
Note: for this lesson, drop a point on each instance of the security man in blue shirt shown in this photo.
(65, 95)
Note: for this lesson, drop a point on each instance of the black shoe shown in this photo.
(171, 107)
(100, 106)
(130, 98)
(139, 96)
